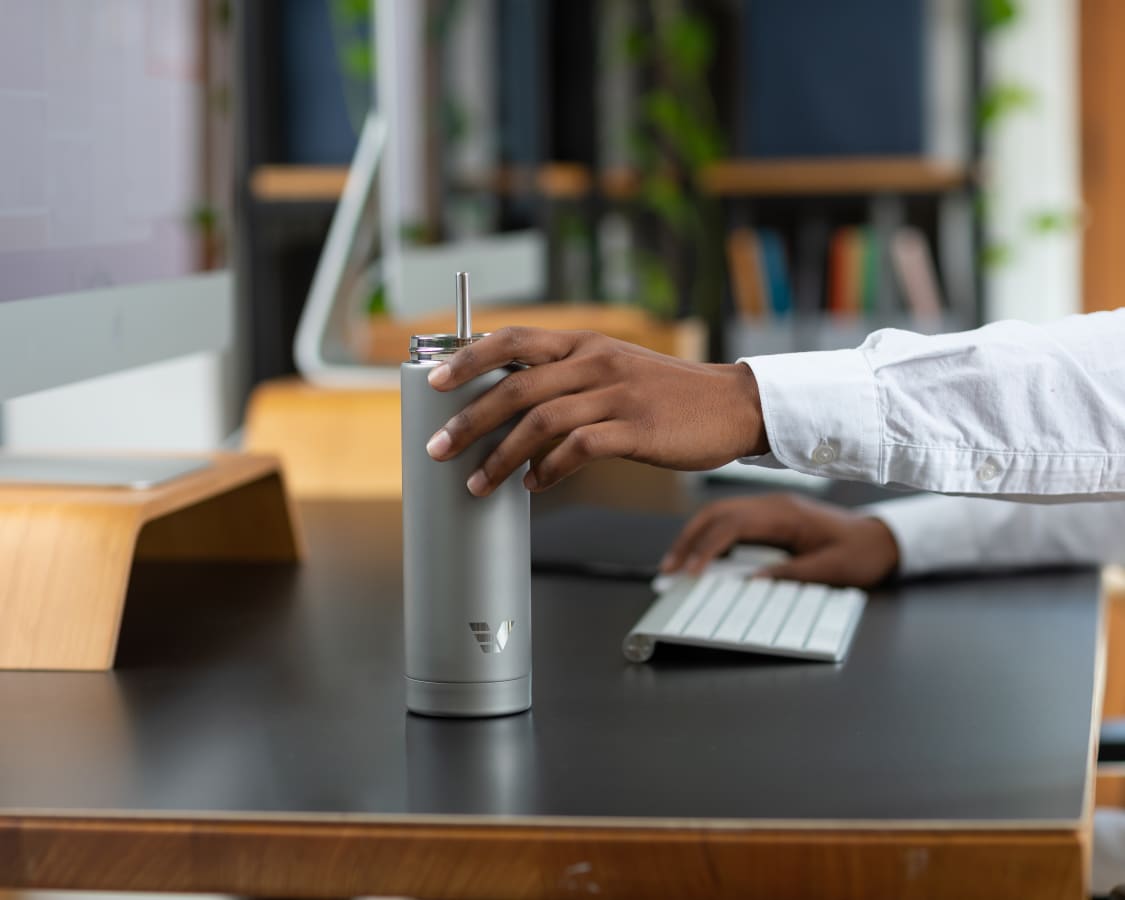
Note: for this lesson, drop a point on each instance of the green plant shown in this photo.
(677, 135)
(351, 32)
(997, 104)
(993, 14)
(377, 301)
(204, 218)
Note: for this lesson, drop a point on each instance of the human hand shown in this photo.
(604, 398)
(830, 544)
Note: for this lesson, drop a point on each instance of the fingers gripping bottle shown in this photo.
(466, 559)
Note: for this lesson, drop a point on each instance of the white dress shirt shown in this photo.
(943, 534)
(1030, 412)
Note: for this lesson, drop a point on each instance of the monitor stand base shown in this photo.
(68, 550)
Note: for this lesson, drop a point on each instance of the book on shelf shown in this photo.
(748, 283)
(870, 301)
(776, 267)
(759, 271)
(840, 273)
(846, 272)
(914, 268)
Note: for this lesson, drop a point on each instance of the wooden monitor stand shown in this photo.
(66, 552)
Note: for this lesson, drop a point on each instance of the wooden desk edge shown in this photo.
(429, 859)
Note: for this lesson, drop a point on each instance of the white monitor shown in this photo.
(358, 261)
(364, 255)
(102, 164)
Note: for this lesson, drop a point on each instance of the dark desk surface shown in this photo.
(252, 688)
(247, 689)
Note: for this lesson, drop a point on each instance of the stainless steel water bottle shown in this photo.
(466, 559)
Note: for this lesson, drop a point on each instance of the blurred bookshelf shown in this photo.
(818, 236)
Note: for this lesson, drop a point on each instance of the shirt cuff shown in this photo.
(932, 536)
(821, 412)
(764, 461)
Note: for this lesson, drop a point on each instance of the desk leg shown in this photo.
(1110, 789)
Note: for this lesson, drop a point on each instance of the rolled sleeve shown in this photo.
(1008, 411)
(821, 413)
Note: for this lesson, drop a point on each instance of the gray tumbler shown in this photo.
(466, 559)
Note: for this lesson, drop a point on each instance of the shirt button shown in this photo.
(988, 470)
(824, 454)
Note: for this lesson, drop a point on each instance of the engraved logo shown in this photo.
(490, 641)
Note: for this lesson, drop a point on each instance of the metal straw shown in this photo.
(464, 314)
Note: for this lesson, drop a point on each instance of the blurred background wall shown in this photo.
(795, 174)
(195, 402)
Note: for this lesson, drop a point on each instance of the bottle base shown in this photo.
(468, 699)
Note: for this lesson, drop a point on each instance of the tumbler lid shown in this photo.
(438, 346)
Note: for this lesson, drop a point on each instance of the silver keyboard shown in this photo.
(760, 615)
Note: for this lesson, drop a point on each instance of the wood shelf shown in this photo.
(837, 175)
(736, 177)
(556, 181)
(559, 180)
(732, 177)
(285, 183)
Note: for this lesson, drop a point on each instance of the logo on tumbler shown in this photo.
(490, 642)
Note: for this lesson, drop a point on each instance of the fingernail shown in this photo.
(439, 444)
(477, 483)
(530, 481)
(439, 376)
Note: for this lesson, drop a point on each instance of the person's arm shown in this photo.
(1008, 410)
(584, 396)
(910, 536)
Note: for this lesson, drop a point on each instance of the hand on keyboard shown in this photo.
(743, 561)
(828, 544)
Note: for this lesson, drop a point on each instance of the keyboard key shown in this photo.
(744, 610)
(797, 627)
(834, 623)
(715, 608)
(768, 623)
(691, 603)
